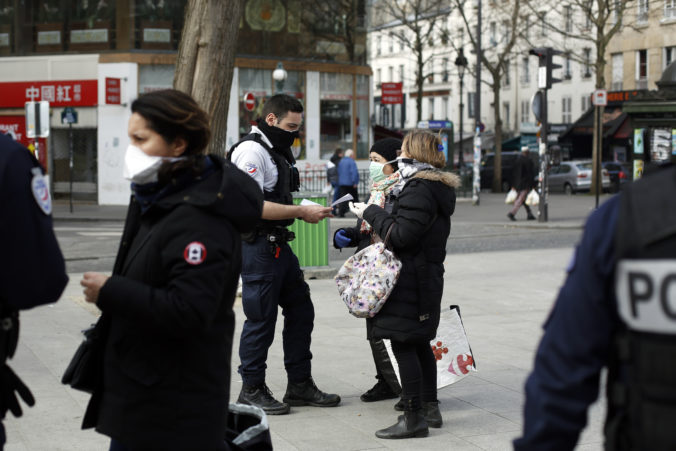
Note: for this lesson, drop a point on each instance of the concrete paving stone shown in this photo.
(492, 398)
(479, 422)
(512, 379)
(493, 442)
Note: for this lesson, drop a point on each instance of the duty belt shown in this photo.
(277, 234)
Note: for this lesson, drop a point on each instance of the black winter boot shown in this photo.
(409, 425)
(261, 396)
(432, 413)
(306, 393)
(379, 392)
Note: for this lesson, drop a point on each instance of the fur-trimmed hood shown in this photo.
(447, 178)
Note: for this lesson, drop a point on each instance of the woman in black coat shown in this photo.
(168, 304)
(420, 222)
(383, 171)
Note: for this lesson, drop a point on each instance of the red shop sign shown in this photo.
(58, 93)
(391, 93)
(113, 91)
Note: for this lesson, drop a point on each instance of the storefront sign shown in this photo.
(391, 93)
(58, 93)
(113, 91)
(15, 126)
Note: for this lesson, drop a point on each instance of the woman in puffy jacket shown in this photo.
(168, 304)
(421, 223)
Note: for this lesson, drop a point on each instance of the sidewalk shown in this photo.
(503, 309)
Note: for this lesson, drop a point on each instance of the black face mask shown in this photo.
(279, 138)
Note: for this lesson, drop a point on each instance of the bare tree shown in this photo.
(415, 23)
(206, 59)
(601, 20)
(338, 21)
(504, 27)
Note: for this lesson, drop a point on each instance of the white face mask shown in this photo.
(139, 167)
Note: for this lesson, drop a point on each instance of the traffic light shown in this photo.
(546, 65)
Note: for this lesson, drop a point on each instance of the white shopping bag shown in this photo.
(450, 347)
(533, 198)
(511, 196)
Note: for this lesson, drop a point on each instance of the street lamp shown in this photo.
(461, 64)
(279, 75)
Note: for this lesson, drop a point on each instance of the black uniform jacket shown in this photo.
(421, 219)
(32, 271)
(166, 375)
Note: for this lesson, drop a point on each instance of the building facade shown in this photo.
(97, 57)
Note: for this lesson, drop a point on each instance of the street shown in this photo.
(503, 275)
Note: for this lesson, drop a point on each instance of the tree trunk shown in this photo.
(419, 84)
(206, 60)
(497, 165)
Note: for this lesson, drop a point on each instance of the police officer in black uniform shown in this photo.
(32, 271)
(616, 310)
(271, 275)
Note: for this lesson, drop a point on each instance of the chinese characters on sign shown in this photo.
(57, 93)
(113, 91)
(391, 93)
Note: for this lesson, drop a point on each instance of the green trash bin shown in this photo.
(311, 245)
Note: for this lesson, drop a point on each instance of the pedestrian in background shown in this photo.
(384, 177)
(166, 370)
(332, 173)
(420, 223)
(523, 180)
(32, 271)
(615, 311)
(271, 274)
(348, 179)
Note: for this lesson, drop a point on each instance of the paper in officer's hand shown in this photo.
(345, 198)
(308, 202)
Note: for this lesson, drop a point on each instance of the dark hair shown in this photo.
(174, 114)
(280, 105)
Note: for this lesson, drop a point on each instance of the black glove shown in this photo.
(10, 385)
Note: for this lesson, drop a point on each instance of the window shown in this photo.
(401, 43)
(391, 43)
(444, 107)
(617, 61)
(642, 69)
(669, 55)
(390, 73)
(444, 70)
(526, 28)
(430, 108)
(585, 102)
(642, 13)
(568, 18)
(401, 73)
(525, 73)
(506, 80)
(543, 24)
(379, 78)
(505, 32)
(461, 37)
(587, 10)
(525, 111)
(506, 113)
(470, 104)
(586, 73)
(493, 33)
(567, 73)
(670, 9)
(378, 43)
(566, 116)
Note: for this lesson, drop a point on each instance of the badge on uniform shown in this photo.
(41, 191)
(251, 168)
(195, 253)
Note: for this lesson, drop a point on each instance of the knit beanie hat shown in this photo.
(387, 148)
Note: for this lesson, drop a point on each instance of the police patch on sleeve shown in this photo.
(40, 191)
(251, 168)
(195, 253)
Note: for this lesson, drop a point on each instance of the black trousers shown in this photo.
(418, 372)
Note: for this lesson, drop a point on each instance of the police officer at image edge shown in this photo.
(33, 270)
(271, 274)
(616, 310)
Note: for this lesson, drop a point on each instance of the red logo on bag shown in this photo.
(439, 350)
(463, 363)
(195, 253)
